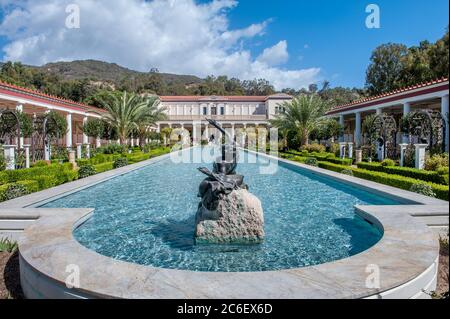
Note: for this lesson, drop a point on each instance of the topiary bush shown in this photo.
(313, 148)
(423, 189)
(312, 161)
(436, 162)
(115, 149)
(120, 162)
(348, 172)
(387, 162)
(86, 171)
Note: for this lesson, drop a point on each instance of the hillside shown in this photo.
(103, 71)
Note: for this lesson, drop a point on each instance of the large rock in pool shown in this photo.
(239, 219)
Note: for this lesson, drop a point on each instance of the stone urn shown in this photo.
(238, 219)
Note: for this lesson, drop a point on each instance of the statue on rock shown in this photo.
(228, 213)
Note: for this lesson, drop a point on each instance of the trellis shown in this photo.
(386, 131)
(428, 126)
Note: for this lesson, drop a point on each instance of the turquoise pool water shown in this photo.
(147, 217)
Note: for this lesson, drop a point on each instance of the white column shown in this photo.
(10, 156)
(209, 109)
(402, 153)
(358, 129)
(420, 155)
(194, 133)
(69, 130)
(406, 108)
(379, 111)
(79, 150)
(27, 155)
(158, 129)
(342, 124)
(350, 150)
(98, 142)
(444, 112)
(85, 137)
(244, 135)
(406, 111)
(19, 108)
(232, 131)
(207, 132)
(342, 146)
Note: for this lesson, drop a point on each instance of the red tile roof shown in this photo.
(211, 98)
(39, 96)
(392, 96)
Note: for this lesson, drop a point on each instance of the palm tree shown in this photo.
(302, 115)
(127, 112)
(153, 115)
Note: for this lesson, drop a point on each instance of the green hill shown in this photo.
(111, 72)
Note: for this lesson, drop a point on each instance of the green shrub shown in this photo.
(120, 162)
(114, 149)
(40, 164)
(436, 162)
(11, 191)
(423, 189)
(334, 149)
(31, 186)
(46, 181)
(398, 181)
(348, 172)
(100, 168)
(387, 162)
(2, 161)
(313, 148)
(442, 171)
(427, 176)
(312, 161)
(86, 171)
(8, 246)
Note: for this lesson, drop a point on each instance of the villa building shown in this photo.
(426, 96)
(232, 112)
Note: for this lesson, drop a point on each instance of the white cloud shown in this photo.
(177, 36)
(275, 55)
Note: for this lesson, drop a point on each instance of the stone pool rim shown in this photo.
(406, 254)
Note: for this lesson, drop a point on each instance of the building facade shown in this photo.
(232, 112)
(433, 96)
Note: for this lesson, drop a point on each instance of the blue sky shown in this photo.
(317, 40)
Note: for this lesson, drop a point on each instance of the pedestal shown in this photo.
(79, 150)
(342, 146)
(88, 150)
(72, 158)
(358, 156)
(10, 156)
(350, 150)
(27, 155)
(420, 155)
(402, 153)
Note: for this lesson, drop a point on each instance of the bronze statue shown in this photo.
(223, 179)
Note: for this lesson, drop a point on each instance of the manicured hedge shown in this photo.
(100, 168)
(427, 176)
(398, 181)
(58, 170)
(327, 157)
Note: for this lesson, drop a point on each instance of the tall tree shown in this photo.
(126, 112)
(385, 71)
(302, 115)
